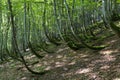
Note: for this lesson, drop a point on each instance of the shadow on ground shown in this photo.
(84, 64)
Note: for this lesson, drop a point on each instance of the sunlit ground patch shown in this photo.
(116, 79)
(85, 70)
(108, 51)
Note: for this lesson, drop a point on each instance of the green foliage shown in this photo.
(118, 1)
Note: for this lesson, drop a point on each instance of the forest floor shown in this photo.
(66, 64)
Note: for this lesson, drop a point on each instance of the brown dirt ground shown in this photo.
(66, 64)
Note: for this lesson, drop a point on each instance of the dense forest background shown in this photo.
(36, 28)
